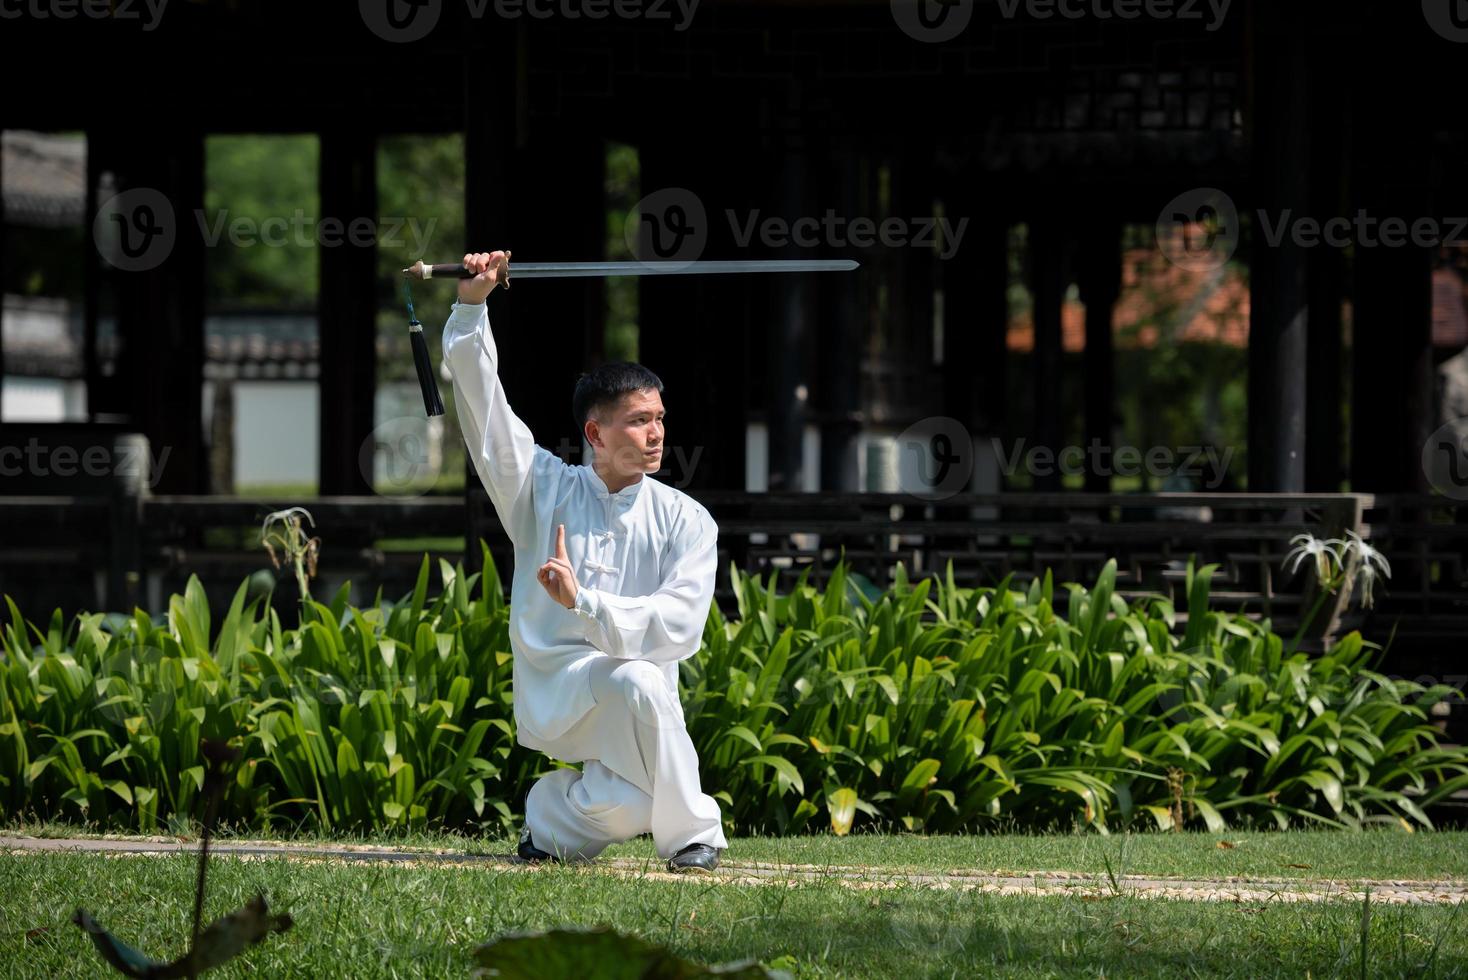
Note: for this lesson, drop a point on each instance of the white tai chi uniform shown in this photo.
(597, 683)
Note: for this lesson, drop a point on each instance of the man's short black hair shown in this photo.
(606, 385)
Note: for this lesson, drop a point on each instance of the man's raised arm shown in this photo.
(499, 443)
(666, 626)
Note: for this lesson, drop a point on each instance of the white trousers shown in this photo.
(643, 777)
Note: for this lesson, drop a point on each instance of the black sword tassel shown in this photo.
(432, 404)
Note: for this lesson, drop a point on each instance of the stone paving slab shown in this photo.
(753, 873)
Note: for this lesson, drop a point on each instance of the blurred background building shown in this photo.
(1079, 243)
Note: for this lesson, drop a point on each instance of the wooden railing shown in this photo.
(100, 552)
(118, 551)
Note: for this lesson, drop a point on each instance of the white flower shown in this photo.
(290, 538)
(1373, 566)
(1321, 550)
(1365, 579)
(1369, 555)
(284, 516)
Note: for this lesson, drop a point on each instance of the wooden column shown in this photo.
(548, 329)
(1330, 143)
(1392, 370)
(789, 330)
(699, 333)
(840, 332)
(1047, 285)
(347, 305)
(976, 318)
(1392, 380)
(1099, 275)
(160, 309)
(1278, 299)
(2, 294)
(489, 138)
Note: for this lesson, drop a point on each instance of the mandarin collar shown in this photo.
(599, 487)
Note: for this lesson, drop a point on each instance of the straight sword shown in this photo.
(420, 270)
(568, 270)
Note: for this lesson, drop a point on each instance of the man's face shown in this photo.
(625, 440)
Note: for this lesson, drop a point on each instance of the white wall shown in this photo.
(42, 400)
(275, 432)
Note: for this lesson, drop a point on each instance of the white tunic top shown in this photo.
(645, 556)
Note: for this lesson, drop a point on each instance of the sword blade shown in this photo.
(557, 270)
(566, 270)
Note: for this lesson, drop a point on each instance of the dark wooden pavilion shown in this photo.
(1072, 126)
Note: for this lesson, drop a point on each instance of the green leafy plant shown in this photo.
(926, 707)
(937, 708)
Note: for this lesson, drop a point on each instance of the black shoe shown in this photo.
(527, 850)
(696, 858)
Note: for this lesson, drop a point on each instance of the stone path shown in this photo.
(753, 873)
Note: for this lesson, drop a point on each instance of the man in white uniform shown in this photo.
(614, 575)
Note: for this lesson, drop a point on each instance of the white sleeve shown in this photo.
(499, 444)
(666, 626)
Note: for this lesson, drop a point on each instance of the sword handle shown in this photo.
(449, 270)
(441, 270)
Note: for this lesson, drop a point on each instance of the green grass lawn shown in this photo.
(408, 921)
